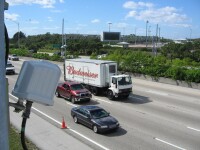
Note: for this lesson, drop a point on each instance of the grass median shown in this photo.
(15, 141)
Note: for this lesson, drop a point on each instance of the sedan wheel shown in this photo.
(75, 119)
(95, 129)
(57, 94)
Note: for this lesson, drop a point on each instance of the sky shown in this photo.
(176, 19)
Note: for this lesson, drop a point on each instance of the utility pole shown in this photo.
(159, 37)
(109, 23)
(4, 112)
(146, 31)
(156, 41)
(135, 35)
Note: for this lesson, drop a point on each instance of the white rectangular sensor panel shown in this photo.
(37, 82)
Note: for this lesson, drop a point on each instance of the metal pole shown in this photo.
(18, 34)
(190, 33)
(4, 141)
(146, 31)
(159, 37)
(109, 25)
(156, 35)
(149, 33)
(135, 35)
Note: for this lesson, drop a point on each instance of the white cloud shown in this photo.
(43, 3)
(33, 21)
(56, 11)
(95, 21)
(137, 5)
(49, 19)
(182, 25)
(122, 25)
(61, 1)
(11, 16)
(147, 11)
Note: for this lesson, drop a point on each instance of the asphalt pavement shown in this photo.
(45, 135)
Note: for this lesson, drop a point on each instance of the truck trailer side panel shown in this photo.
(91, 72)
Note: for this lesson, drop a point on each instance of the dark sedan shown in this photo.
(95, 118)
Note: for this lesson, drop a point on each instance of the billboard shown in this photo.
(111, 36)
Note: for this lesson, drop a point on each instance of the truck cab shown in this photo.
(120, 86)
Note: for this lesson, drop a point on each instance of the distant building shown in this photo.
(180, 41)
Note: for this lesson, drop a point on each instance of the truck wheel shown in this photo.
(73, 100)
(57, 94)
(110, 95)
(95, 91)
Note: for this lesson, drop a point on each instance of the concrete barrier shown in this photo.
(167, 81)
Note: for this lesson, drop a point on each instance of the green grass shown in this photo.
(15, 141)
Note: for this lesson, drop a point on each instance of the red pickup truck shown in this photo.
(73, 91)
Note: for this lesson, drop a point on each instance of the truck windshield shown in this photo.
(124, 80)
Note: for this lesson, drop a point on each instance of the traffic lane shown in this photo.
(173, 89)
(55, 117)
(174, 98)
(133, 120)
(136, 140)
(167, 107)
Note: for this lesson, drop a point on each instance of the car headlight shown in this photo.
(77, 94)
(104, 126)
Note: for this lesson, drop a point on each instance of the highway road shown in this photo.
(155, 116)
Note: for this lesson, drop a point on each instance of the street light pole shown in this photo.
(109, 25)
(135, 35)
(4, 111)
(190, 33)
(18, 35)
(146, 31)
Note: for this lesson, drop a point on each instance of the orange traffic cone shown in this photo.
(63, 124)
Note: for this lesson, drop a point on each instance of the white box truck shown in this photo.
(98, 76)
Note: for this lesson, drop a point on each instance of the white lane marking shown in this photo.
(92, 141)
(169, 144)
(193, 129)
(102, 100)
(136, 97)
(71, 104)
(89, 139)
(158, 93)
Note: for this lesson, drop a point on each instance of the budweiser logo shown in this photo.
(71, 70)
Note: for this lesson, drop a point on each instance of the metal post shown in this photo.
(146, 31)
(61, 50)
(156, 35)
(190, 34)
(135, 35)
(159, 37)
(109, 26)
(18, 35)
(4, 141)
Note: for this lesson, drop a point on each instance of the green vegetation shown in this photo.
(15, 141)
(176, 61)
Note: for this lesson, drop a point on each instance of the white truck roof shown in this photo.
(91, 61)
